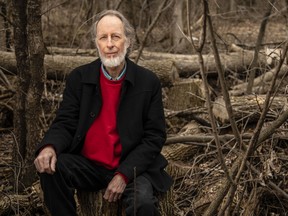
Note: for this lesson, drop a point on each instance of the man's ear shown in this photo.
(128, 43)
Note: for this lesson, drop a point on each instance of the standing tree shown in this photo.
(29, 51)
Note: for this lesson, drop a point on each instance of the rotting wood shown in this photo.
(184, 94)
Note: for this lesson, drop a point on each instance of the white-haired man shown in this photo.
(109, 129)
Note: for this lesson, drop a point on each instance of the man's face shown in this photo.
(111, 41)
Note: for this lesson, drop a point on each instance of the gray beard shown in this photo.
(113, 61)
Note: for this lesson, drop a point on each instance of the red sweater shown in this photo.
(102, 143)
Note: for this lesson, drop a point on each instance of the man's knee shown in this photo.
(146, 203)
(143, 198)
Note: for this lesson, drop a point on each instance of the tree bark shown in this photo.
(35, 89)
(21, 52)
(179, 40)
(29, 50)
(184, 94)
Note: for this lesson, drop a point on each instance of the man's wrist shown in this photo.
(123, 176)
(45, 147)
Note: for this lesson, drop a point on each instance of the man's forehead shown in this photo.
(110, 24)
(110, 20)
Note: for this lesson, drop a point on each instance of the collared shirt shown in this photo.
(108, 76)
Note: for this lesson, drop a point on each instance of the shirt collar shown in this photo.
(108, 76)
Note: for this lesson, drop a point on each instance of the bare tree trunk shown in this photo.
(35, 89)
(233, 5)
(29, 50)
(179, 41)
(21, 52)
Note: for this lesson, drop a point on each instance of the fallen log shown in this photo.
(261, 84)
(167, 66)
(57, 66)
(71, 51)
(248, 107)
(234, 61)
(185, 65)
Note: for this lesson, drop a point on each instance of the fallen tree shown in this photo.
(167, 66)
(261, 83)
(248, 107)
(57, 66)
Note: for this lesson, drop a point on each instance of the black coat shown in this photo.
(140, 120)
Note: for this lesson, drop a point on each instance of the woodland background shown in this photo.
(223, 69)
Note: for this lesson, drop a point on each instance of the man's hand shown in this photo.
(46, 160)
(115, 189)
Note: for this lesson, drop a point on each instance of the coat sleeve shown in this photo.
(147, 151)
(62, 130)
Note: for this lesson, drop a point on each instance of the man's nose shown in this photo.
(110, 42)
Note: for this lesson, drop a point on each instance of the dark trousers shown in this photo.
(76, 172)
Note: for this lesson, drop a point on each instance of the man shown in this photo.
(109, 129)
